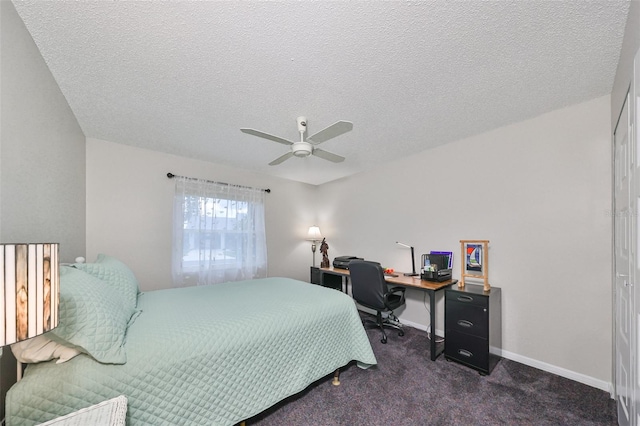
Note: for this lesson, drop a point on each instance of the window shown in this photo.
(219, 233)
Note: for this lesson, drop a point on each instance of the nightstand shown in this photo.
(473, 324)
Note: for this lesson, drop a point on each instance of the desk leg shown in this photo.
(432, 313)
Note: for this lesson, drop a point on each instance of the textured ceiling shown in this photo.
(183, 77)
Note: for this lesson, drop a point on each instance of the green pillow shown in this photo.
(93, 316)
(116, 274)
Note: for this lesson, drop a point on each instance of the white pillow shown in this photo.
(41, 348)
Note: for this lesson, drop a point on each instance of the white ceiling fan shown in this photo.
(308, 147)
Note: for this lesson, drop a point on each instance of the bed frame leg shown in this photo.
(336, 378)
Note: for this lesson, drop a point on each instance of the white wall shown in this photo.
(42, 170)
(42, 148)
(130, 207)
(539, 190)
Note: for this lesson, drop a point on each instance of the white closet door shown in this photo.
(623, 257)
(625, 321)
(634, 141)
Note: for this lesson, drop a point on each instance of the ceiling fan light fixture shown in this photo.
(301, 149)
(305, 148)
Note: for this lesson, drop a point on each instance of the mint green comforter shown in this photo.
(209, 355)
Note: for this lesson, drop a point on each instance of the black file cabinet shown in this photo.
(325, 280)
(473, 323)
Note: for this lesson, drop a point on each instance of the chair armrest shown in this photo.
(394, 291)
(397, 289)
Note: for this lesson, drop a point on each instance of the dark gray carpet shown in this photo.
(407, 388)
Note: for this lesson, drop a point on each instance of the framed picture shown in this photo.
(474, 262)
(473, 258)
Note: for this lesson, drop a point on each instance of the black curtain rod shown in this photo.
(171, 176)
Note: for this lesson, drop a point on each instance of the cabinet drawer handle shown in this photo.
(465, 323)
(465, 353)
(465, 298)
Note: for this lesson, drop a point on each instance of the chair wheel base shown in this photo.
(380, 324)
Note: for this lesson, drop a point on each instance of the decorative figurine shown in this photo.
(324, 248)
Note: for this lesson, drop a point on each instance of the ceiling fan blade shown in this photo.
(281, 159)
(266, 136)
(327, 155)
(336, 129)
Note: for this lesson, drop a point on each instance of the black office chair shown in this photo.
(369, 289)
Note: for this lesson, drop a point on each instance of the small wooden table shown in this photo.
(413, 282)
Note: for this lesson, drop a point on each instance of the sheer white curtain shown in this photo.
(218, 233)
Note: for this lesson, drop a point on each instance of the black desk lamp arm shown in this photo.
(413, 265)
(413, 262)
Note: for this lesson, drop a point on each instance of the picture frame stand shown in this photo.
(474, 256)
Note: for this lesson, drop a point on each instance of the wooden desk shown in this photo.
(413, 282)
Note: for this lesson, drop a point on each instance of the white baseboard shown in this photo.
(562, 372)
(419, 326)
(559, 371)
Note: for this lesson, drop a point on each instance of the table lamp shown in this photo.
(30, 278)
(314, 235)
(413, 261)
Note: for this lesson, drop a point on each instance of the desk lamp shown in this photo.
(30, 282)
(314, 235)
(413, 261)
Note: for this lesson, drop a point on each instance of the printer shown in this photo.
(342, 262)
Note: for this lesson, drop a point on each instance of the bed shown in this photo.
(207, 355)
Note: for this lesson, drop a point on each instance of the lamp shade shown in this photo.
(314, 234)
(30, 278)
